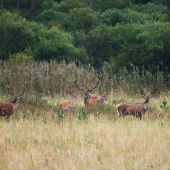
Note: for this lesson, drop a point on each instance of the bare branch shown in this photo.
(33, 6)
(167, 4)
(18, 5)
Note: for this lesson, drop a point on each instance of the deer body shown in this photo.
(91, 102)
(68, 105)
(87, 94)
(8, 108)
(92, 96)
(135, 109)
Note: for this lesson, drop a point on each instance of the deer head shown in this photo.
(86, 92)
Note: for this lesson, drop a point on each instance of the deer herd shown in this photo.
(135, 109)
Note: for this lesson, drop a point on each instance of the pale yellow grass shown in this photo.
(101, 142)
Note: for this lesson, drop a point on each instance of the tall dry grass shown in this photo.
(36, 138)
(51, 78)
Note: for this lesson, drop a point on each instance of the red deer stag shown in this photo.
(87, 94)
(135, 109)
(91, 102)
(68, 105)
(8, 108)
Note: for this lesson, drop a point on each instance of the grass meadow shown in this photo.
(39, 136)
(36, 138)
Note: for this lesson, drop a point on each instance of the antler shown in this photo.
(142, 91)
(94, 87)
(153, 92)
(10, 93)
(22, 93)
(77, 86)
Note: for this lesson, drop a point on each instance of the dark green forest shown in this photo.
(113, 33)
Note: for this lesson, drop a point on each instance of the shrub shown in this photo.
(67, 5)
(155, 12)
(20, 36)
(80, 19)
(50, 15)
(112, 17)
(19, 58)
(108, 4)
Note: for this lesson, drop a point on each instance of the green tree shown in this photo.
(79, 19)
(18, 35)
(112, 17)
(67, 5)
(108, 4)
(26, 8)
(144, 45)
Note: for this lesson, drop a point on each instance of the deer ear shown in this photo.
(143, 96)
(150, 96)
(20, 97)
(13, 97)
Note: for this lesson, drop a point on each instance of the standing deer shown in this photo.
(8, 108)
(135, 109)
(91, 102)
(68, 105)
(87, 94)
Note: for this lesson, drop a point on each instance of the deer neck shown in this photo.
(15, 104)
(146, 104)
(72, 100)
(88, 96)
(102, 100)
(85, 99)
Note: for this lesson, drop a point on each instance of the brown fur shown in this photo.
(67, 105)
(135, 109)
(8, 108)
(87, 94)
(92, 102)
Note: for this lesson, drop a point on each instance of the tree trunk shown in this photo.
(167, 4)
(18, 5)
(33, 6)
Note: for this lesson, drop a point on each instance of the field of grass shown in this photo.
(36, 138)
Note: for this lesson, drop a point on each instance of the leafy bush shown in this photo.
(17, 34)
(124, 44)
(20, 36)
(149, 45)
(50, 15)
(155, 12)
(27, 8)
(67, 5)
(164, 106)
(149, 8)
(80, 19)
(112, 17)
(58, 45)
(108, 4)
(19, 58)
(82, 114)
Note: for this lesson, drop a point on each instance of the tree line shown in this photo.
(119, 34)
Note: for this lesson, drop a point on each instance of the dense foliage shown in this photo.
(121, 32)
